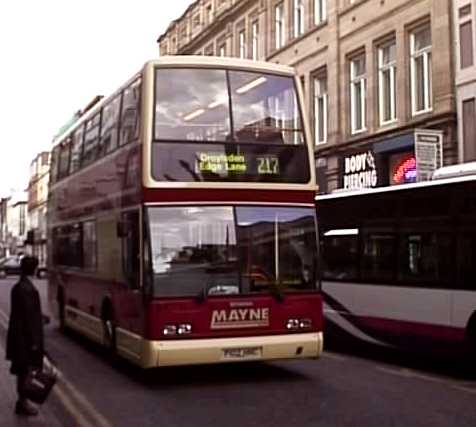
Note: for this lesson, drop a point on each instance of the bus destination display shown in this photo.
(220, 163)
(229, 163)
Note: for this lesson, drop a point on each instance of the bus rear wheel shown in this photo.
(471, 336)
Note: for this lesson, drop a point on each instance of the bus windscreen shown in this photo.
(219, 125)
(218, 250)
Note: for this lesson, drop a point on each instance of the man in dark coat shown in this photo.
(25, 332)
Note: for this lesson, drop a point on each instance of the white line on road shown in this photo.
(334, 356)
(63, 388)
(3, 320)
(409, 373)
(70, 407)
(99, 420)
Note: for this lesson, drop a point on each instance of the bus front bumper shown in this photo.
(223, 350)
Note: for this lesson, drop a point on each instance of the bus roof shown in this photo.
(222, 61)
(183, 61)
(396, 188)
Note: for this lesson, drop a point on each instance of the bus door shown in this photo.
(128, 299)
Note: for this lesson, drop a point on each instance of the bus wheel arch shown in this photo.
(108, 324)
(471, 331)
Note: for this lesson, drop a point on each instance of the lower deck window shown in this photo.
(231, 250)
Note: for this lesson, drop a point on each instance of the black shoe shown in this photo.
(25, 408)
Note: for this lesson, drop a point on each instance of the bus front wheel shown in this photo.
(471, 332)
(109, 330)
(471, 335)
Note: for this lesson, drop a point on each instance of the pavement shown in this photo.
(8, 397)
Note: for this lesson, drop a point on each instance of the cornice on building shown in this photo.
(371, 138)
(178, 20)
(220, 20)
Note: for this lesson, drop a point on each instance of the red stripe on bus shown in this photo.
(408, 328)
(157, 195)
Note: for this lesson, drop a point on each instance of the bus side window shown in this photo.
(109, 126)
(339, 257)
(467, 260)
(64, 156)
(129, 127)
(378, 257)
(130, 235)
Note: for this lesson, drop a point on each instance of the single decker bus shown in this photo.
(399, 264)
(181, 218)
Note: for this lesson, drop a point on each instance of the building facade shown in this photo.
(378, 76)
(3, 226)
(16, 224)
(37, 205)
(464, 15)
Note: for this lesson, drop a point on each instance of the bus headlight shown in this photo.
(295, 324)
(184, 329)
(170, 330)
(292, 324)
(181, 329)
(305, 324)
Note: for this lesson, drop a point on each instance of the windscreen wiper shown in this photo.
(277, 291)
(202, 294)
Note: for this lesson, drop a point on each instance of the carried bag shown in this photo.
(39, 382)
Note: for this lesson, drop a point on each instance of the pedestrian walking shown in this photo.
(25, 348)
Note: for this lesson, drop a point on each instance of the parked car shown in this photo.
(10, 265)
(41, 271)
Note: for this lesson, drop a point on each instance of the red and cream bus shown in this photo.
(182, 227)
(399, 264)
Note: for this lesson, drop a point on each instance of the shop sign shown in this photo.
(360, 171)
(428, 152)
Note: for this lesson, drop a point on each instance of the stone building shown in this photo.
(37, 205)
(15, 223)
(464, 14)
(378, 75)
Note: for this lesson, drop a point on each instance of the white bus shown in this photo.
(399, 264)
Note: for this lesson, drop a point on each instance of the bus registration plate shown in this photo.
(240, 353)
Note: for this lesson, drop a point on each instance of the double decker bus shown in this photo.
(181, 223)
(399, 264)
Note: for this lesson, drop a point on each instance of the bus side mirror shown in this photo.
(122, 229)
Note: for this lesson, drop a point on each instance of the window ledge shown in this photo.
(422, 112)
(357, 132)
(388, 123)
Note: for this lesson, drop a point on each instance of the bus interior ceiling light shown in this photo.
(251, 85)
(194, 114)
(216, 103)
(342, 232)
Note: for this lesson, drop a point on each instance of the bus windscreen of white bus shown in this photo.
(219, 125)
(231, 250)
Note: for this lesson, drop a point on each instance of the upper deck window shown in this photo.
(223, 126)
(130, 113)
(194, 105)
